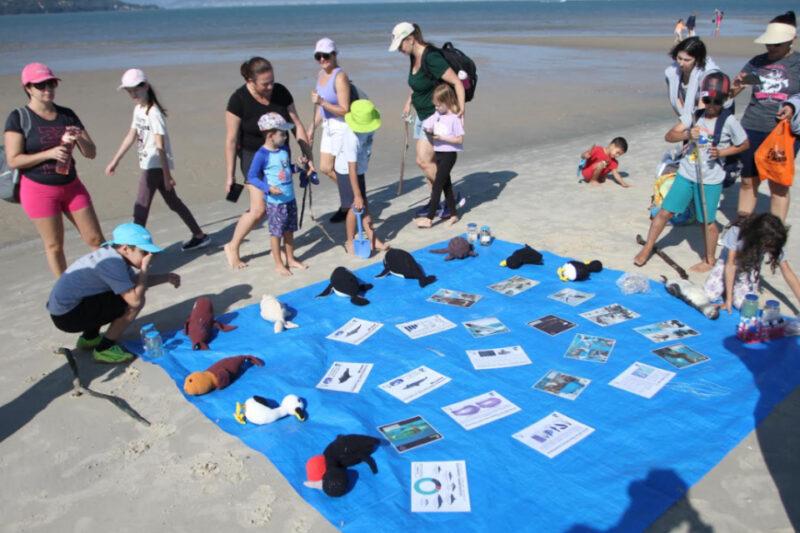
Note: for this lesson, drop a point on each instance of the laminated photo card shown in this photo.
(405, 435)
(642, 380)
(483, 327)
(454, 298)
(571, 297)
(562, 385)
(680, 355)
(551, 324)
(423, 327)
(513, 285)
(345, 377)
(414, 384)
(609, 315)
(590, 348)
(504, 357)
(355, 331)
(553, 434)
(439, 487)
(669, 330)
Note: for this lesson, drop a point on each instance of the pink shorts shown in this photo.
(43, 201)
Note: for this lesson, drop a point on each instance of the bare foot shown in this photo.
(348, 247)
(452, 221)
(295, 263)
(381, 246)
(283, 271)
(641, 258)
(233, 258)
(702, 266)
(423, 222)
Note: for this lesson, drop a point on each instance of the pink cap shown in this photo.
(37, 72)
(132, 78)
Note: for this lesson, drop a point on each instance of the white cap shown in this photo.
(777, 33)
(400, 32)
(273, 121)
(132, 78)
(325, 46)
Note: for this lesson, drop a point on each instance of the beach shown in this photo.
(80, 464)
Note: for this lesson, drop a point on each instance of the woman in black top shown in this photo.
(258, 96)
(39, 138)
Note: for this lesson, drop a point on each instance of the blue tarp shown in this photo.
(642, 457)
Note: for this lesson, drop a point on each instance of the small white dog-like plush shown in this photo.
(274, 311)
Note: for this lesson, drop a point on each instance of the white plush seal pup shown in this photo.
(257, 410)
(274, 311)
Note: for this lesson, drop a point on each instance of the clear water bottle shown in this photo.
(485, 236)
(153, 346)
(772, 323)
(749, 326)
(472, 232)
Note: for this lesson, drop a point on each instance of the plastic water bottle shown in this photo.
(472, 232)
(749, 326)
(153, 344)
(63, 168)
(485, 236)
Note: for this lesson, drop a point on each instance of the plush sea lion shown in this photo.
(693, 295)
(345, 283)
(219, 375)
(259, 410)
(523, 256)
(577, 271)
(402, 264)
(329, 470)
(200, 324)
(457, 248)
(274, 311)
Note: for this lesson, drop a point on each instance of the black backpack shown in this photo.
(458, 61)
(9, 177)
(733, 163)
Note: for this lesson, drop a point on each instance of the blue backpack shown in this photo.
(9, 177)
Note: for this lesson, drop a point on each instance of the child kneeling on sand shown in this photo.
(271, 171)
(599, 162)
(351, 167)
(101, 288)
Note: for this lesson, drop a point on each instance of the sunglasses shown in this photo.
(713, 101)
(47, 84)
(321, 55)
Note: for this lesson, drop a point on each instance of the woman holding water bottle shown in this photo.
(39, 141)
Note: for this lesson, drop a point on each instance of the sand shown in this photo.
(81, 464)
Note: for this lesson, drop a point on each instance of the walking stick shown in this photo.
(406, 120)
(698, 166)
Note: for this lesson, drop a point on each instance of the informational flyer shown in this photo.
(609, 315)
(551, 324)
(345, 377)
(513, 285)
(454, 298)
(562, 385)
(480, 410)
(504, 357)
(425, 326)
(439, 487)
(414, 384)
(571, 297)
(483, 327)
(680, 355)
(642, 380)
(405, 435)
(553, 434)
(590, 348)
(355, 331)
(669, 330)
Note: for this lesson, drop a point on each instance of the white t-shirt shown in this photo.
(147, 124)
(713, 171)
(356, 148)
(730, 241)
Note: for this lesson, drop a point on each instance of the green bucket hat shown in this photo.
(363, 117)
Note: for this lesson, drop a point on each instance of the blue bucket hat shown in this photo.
(133, 235)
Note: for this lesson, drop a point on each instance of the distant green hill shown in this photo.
(16, 7)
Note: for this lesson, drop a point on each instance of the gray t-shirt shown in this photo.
(777, 82)
(100, 271)
(713, 171)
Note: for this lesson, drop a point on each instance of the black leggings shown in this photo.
(152, 180)
(91, 314)
(444, 164)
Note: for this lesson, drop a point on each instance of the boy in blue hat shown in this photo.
(102, 288)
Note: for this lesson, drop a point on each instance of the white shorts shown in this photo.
(332, 134)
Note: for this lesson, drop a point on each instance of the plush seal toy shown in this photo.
(402, 264)
(345, 283)
(200, 325)
(219, 375)
(457, 248)
(523, 256)
(577, 271)
(693, 295)
(259, 410)
(274, 311)
(329, 470)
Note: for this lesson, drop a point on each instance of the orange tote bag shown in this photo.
(775, 156)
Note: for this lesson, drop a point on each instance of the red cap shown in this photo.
(37, 72)
(716, 85)
(315, 468)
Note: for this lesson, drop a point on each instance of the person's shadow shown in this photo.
(647, 493)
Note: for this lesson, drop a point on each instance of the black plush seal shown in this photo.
(343, 452)
(523, 256)
(346, 283)
(401, 263)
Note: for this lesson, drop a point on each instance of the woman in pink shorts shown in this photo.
(39, 139)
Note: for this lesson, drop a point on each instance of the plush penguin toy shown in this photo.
(524, 256)
(274, 311)
(402, 264)
(329, 470)
(577, 271)
(257, 410)
(693, 295)
(345, 283)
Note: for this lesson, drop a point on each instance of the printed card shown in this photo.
(439, 487)
(414, 384)
(669, 330)
(454, 298)
(513, 285)
(425, 326)
(609, 315)
(355, 331)
(505, 357)
(553, 434)
(552, 324)
(345, 377)
(642, 380)
(571, 297)
(483, 327)
(680, 355)
(590, 348)
(405, 435)
(480, 410)
(562, 385)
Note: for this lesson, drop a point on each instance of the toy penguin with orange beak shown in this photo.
(577, 271)
(219, 375)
